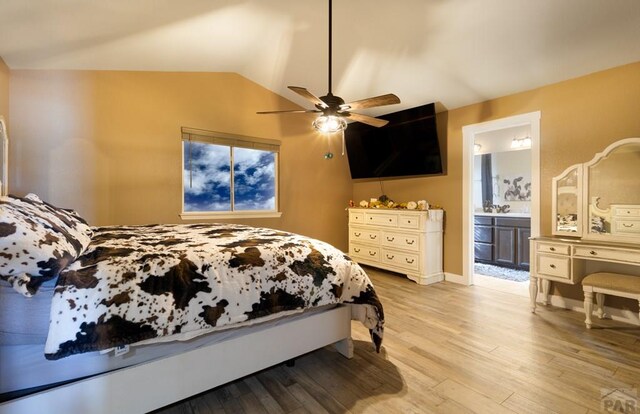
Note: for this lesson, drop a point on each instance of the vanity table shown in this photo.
(596, 221)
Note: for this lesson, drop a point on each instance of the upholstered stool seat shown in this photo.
(603, 283)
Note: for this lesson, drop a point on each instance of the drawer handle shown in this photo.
(552, 266)
(552, 249)
(355, 249)
(409, 261)
(391, 239)
(357, 234)
(594, 253)
(409, 221)
(409, 242)
(390, 220)
(372, 236)
(390, 257)
(625, 225)
(372, 253)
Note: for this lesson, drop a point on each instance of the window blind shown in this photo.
(231, 140)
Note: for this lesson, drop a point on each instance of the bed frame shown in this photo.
(155, 384)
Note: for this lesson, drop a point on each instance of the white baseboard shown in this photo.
(621, 315)
(454, 278)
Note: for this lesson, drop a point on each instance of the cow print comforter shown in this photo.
(141, 284)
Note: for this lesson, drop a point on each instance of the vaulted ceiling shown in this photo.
(455, 52)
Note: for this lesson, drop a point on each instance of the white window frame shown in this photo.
(231, 141)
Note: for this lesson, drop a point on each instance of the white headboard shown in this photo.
(4, 158)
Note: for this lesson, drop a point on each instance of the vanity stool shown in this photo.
(602, 283)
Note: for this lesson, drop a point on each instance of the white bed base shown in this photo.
(148, 386)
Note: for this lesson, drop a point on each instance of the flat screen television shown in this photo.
(407, 146)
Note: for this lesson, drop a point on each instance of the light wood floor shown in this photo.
(507, 286)
(447, 349)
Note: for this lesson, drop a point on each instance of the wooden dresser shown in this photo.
(403, 241)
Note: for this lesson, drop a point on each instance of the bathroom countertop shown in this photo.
(509, 214)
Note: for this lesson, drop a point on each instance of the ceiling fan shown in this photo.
(334, 109)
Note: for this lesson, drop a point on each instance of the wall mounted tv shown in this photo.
(407, 146)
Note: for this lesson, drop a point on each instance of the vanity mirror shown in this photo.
(600, 199)
(567, 202)
(612, 186)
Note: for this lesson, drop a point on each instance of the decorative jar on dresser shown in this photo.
(403, 241)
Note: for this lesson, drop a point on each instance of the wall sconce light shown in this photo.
(521, 143)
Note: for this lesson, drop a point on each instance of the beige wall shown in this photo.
(4, 90)
(107, 143)
(579, 117)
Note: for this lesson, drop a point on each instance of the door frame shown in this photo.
(468, 136)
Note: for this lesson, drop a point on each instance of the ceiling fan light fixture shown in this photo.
(328, 124)
(333, 108)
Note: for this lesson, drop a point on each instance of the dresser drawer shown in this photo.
(365, 252)
(404, 260)
(552, 265)
(388, 220)
(555, 248)
(409, 222)
(628, 226)
(361, 235)
(607, 254)
(401, 241)
(356, 217)
(626, 211)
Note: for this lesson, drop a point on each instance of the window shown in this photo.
(228, 175)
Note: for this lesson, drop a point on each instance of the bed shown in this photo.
(143, 316)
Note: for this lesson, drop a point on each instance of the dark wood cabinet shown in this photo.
(483, 236)
(505, 248)
(523, 247)
(503, 241)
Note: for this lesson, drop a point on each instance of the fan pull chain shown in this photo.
(328, 155)
(343, 145)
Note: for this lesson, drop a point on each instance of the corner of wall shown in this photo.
(4, 90)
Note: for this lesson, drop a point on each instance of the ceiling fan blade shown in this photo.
(388, 99)
(291, 111)
(308, 95)
(369, 120)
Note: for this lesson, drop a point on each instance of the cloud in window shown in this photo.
(254, 179)
(207, 178)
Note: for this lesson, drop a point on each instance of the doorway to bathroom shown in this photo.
(502, 208)
(500, 201)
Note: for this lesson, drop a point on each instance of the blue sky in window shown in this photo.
(207, 182)
(254, 179)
